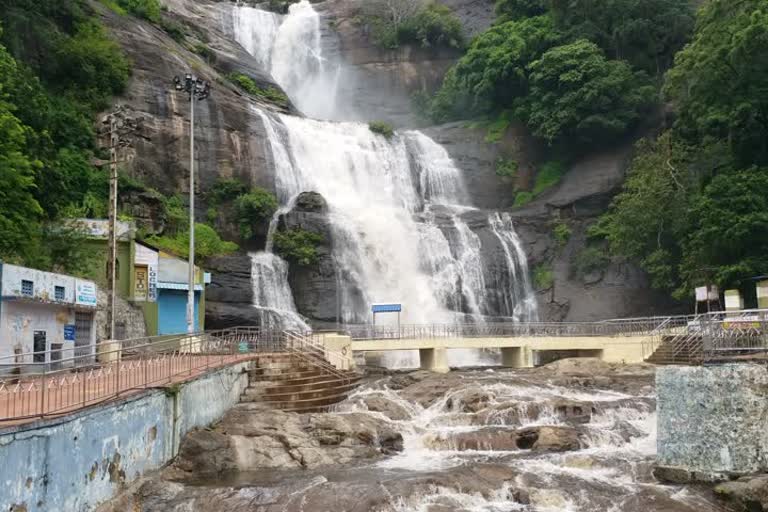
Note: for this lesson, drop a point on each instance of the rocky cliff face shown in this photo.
(231, 142)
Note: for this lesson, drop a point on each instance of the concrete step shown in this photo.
(284, 377)
(309, 404)
(278, 395)
(309, 386)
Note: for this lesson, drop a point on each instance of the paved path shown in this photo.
(62, 392)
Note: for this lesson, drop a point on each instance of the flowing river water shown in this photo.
(572, 436)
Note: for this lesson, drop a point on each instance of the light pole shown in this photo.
(197, 89)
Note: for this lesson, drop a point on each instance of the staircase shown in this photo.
(298, 382)
(681, 349)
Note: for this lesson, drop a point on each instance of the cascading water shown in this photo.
(272, 298)
(398, 207)
(289, 47)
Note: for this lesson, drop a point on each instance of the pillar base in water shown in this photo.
(513, 357)
(434, 360)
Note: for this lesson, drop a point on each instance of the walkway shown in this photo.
(32, 398)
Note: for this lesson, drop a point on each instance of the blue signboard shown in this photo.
(69, 332)
(386, 308)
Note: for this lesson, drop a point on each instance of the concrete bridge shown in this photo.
(521, 345)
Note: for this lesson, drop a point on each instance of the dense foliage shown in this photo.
(397, 22)
(57, 69)
(250, 86)
(207, 243)
(253, 209)
(298, 246)
(576, 72)
(382, 128)
(693, 210)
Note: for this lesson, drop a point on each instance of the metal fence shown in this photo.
(64, 382)
(623, 327)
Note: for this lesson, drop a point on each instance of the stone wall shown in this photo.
(79, 461)
(712, 421)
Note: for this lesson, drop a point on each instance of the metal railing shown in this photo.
(310, 348)
(52, 383)
(622, 327)
(712, 338)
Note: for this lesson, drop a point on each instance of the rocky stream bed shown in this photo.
(575, 435)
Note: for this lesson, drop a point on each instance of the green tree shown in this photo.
(493, 74)
(578, 96)
(729, 227)
(253, 209)
(646, 33)
(19, 211)
(298, 246)
(208, 243)
(720, 81)
(650, 218)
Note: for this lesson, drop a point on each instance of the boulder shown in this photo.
(538, 439)
(473, 399)
(548, 439)
(387, 407)
(251, 438)
(748, 494)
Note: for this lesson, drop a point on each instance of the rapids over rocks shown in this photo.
(575, 435)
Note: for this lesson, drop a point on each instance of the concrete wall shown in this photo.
(713, 420)
(22, 315)
(75, 463)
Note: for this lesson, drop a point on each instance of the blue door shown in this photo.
(172, 311)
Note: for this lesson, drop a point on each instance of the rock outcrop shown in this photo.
(229, 297)
(250, 438)
(313, 286)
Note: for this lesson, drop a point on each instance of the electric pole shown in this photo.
(197, 89)
(119, 124)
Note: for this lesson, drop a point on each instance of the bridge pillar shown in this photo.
(514, 357)
(434, 360)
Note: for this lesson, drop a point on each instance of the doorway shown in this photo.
(40, 346)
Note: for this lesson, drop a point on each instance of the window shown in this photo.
(58, 293)
(27, 288)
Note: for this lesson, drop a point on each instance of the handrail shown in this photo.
(322, 360)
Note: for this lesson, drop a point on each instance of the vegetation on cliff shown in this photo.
(58, 68)
(398, 22)
(694, 209)
(298, 246)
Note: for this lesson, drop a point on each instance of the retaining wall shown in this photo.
(79, 461)
(712, 421)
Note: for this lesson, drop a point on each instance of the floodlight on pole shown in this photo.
(197, 89)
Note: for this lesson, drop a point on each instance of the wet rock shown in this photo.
(573, 411)
(469, 400)
(385, 406)
(548, 439)
(749, 494)
(538, 439)
(509, 413)
(486, 439)
(250, 438)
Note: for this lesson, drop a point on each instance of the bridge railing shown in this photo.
(629, 327)
(54, 382)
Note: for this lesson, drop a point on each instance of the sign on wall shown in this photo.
(147, 258)
(69, 332)
(141, 285)
(85, 293)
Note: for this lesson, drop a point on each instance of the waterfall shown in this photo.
(289, 47)
(272, 296)
(401, 223)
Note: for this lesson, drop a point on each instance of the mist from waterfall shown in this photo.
(400, 217)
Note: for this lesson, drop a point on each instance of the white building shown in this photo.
(51, 314)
